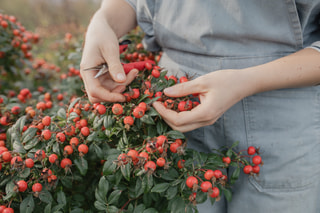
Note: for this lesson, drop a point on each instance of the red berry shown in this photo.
(215, 192)
(256, 169)
(68, 149)
(191, 181)
(46, 120)
(61, 137)
(144, 155)
(256, 160)
(217, 173)
(160, 140)
(65, 163)
(2, 208)
(83, 148)
(117, 109)
(155, 73)
(133, 154)
(128, 120)
(29, 162)
(53, 158)
(143, 105)
(149, 93)
(174, 78)
(183, 79)
(169, 103)
(135, 93)
(70, 130)
(251, 150)
(123, 158)
(138, 112)
(22, 185)
(15, 110)
(46, 134)
(101, 109)
(16, 160)
(6, 156)
(85, 131)
(37, 187)
(247, 169)
(174, 147)
(8, 210)
(4, 24)
(226, 160)
(181, 163)
(40, 155)
(158, 94)
(150, 165)
(209, 174)
(74, 141)
(83, 122)
(205, 185)
(161, 162)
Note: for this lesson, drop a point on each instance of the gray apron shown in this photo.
(201, 36)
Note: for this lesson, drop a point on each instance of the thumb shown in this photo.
(110, 52)
(183, 89)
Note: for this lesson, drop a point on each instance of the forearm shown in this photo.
(116, 14)
(296, 70)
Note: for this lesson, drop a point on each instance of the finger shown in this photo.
(100, 94)
(131, 76)
(110, 51)
(185, 88)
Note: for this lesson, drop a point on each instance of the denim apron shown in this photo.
(201, 36)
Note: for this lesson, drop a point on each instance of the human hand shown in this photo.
(111, 21)
(218, 91)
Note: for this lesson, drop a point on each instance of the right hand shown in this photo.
(101, 46)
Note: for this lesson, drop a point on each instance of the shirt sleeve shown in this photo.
(133, 4)
(315, 45)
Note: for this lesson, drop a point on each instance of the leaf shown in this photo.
(102, 189)
(174, 134)
(82, 164)
(125, 170)
(161, 187)
(17, 147)
(171, 192)
(62, 114)
(97, 150)
(29, 134)
(235, 144)
(108, 121)
(161, 127)
(24, 173)
(235, 175)
(139, 208)
(27, 205)
(71, 105)
(112, 209)
(114, 197)
(109, 167)
(227, 193)
(20, 123)
(47, 209)
(150, 210)
(147, 119)
(61, 198)
(45, 196)
(31, 143)
(77, 210)
(201, 197)
(56, 208)
(177, 205)
(138, 188)
(100, 206)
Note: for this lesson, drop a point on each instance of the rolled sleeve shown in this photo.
(315, 45)
(133, 4)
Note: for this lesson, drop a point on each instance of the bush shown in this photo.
(59, 153)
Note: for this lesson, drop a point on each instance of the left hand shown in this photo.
(218, 91)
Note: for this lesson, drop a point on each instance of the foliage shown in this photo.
(60, 153)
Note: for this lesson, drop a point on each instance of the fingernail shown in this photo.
(168, 90)
(121, 77)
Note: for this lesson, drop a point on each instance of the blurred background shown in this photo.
(51, 19)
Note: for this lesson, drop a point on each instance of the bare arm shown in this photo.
(222, 89)
(114, 19)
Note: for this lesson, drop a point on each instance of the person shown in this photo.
(257, 67)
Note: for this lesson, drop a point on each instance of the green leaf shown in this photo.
(61, 198)
(125, 170)
(62, 114)
(73, 103)
(24, 173)
(29, 134)
(17, 147)
(235, 175)
(100, 206)
(147, 119)
(235, 144)
(227, 193)
(45, 196)
(139, 208)
(138, 188)
(108, 121)
(161, 127)
(171, 192)
(177, 205)
(82, 164)
(161, 187)
(174, 134)
(109, 167)
(27, 205)
(201, 197)
(47, 209)
(77, 210)
(56, 208)
(31, 143)
(20, 123)
(150, 210)
(112, 209)
(97, 123)
(114, 197)
(97, 150)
